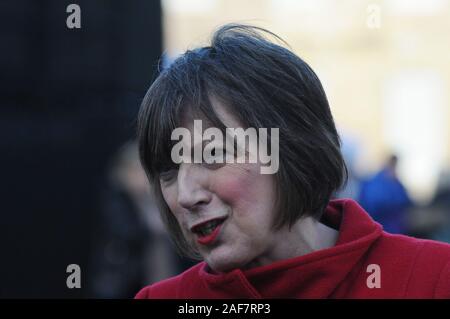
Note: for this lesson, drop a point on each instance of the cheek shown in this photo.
(243, 188)
(170, 197)
(232, 183)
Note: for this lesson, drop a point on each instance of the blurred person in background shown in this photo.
(385, 198)
(131, 246)
(441, 205)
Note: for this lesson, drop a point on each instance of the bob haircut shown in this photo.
(264, 85)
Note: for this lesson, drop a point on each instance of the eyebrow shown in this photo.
(235, 145)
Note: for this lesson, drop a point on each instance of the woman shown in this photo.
(277, 234)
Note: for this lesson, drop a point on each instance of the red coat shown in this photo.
(363, 258)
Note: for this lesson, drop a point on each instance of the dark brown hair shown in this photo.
(264, 85)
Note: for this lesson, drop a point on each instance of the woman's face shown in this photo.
(235, 197)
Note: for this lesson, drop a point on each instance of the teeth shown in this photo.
(209, 227)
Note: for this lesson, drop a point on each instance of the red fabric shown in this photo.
(409, 267)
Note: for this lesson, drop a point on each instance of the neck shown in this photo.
(305, 236)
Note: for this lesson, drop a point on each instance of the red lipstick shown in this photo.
(209, 239)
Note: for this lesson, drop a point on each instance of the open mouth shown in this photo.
(207, 228)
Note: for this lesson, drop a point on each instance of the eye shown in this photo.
(168, 175)
(219, 156)
(213, 166)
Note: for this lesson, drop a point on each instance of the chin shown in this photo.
(223, 264)
(221, 268)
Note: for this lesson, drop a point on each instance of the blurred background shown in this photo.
(72, 189)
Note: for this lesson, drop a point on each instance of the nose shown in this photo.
(192, 191)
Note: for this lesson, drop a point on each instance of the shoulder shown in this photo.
(171, 288)
(425, 264)
(432, 264)
(419, 249)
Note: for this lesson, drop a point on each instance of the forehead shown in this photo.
(223, 113)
